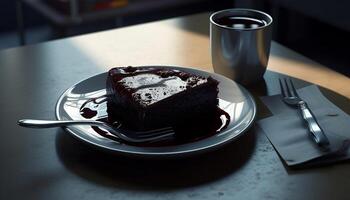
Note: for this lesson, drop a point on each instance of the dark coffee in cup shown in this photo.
(241, 22)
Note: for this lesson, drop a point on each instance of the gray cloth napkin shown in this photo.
(289, 135)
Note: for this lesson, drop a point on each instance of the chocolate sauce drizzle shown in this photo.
(89, 112)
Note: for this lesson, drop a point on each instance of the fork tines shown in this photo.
(287, 90)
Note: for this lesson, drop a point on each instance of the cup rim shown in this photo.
(241, 9)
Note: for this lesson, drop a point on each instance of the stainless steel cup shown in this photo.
(240, 53)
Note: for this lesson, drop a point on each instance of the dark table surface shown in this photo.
(50, 164)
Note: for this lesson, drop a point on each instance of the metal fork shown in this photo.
(291, 97)
(136, 137)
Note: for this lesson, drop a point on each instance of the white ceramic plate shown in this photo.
(233, 99)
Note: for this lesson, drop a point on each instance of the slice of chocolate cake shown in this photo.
(144, 98)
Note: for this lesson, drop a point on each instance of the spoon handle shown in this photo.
(34, 123)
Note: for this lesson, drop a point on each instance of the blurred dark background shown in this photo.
(319, 29)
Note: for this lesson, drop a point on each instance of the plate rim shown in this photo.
(160, 154)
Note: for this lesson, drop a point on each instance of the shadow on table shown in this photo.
(113, 170)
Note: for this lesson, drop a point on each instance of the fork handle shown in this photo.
(316, 131)
(34, 123)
